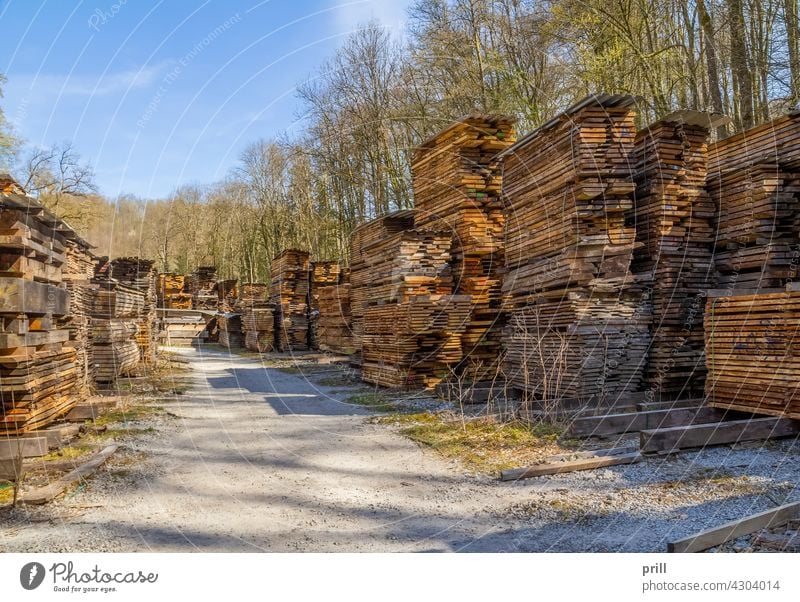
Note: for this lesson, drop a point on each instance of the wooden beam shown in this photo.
(719, 535)
(42, 495)
(26, 447)
(717, 433)
(582, 461)
(614, 424)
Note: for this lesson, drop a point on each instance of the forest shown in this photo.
(383, 92)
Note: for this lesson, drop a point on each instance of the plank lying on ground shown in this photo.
(716, 433)
(584, 461)
(27, 447)
(719, 535)
(649, 406)
(613, 424)
(44, 494)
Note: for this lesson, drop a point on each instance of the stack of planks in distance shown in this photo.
(258, 317)
(334, 323)
(412, 324)
(172, 293)
(363, 236)
(751, 353)
(289, 295)
(37, 369)
(579, 324)
(227, 295)
(322, 274)
(457, 179)
(141, 275)
(77, 273)
(230, 330)
(672, 215)
(203, 281)
(754, 180)
(185, 330)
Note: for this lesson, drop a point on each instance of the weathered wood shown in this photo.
(613, 424)
(90, 410)
(719, 535)
(30, 297)
(47, 493)
(716, 433)
(27, 447)
(582, 461)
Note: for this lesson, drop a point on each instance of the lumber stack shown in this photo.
(203, 281)
(185, 330)
(579, 322)
(230, 330)
(322, 274)
(37, 369)
(78, 272)
(227, 295)
(116, 309)
(363, 237)
(140, 274)
(754, 180)
(289, 294)
(172, 292)
(751, 353)
(334, 327)
(673, 215)
(258, 324)
(457, 179)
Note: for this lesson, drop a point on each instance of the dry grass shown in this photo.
(483, 445)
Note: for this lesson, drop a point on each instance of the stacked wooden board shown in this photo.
(334, 324)
(579, 322)
(258, 317)
(204, 295)
(457, 178)
(322, 274)
(672, 216)
(141, 275)
(116, 309)
(78, 272)
(289, 290)
(752, 353)
(364, 236)
(172, 292)
(227, 295)
(754, 180)
(183, 329)
(37, 369)
(230, 330)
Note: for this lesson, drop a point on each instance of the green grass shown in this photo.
(374, 400)
(482, 445)
(6, 493)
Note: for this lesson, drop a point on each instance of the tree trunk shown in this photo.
(743, 77)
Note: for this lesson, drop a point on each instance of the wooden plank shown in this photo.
(90, 410)
(27, 447)
(613, 424)
(30, 297)
(44, 494)
(719, 535)
(717, 433)
(598, 459)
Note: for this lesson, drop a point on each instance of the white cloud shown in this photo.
(349, 14)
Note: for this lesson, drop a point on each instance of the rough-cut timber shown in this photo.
(457, 179)
(77, 273)
(334, 324)
(230, 330)
(751, 353)
(141, 275)
(672, 215)
(289, 294)
(322, 274)
(172, 292)
(579, 325)
(203, 283)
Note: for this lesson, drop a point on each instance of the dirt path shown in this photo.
(264, 460)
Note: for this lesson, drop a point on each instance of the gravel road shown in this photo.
(263, 460)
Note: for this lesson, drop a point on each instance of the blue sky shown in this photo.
(156, 94)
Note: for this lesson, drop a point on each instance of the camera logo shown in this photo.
(31, 575)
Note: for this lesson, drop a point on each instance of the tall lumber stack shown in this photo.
(172, 292)
(227, 295)
(754, 180)
(457, 180)
(116, 307)
(37, 369)
(751, 353)
(363, 236)
(258, 317)
(230, 330)
(322, 274)
(412, 324)
(334, 324)
(77, 273)
(289, 295)
(141, 275)
(672, 215)
(578, 325)
(203, 282)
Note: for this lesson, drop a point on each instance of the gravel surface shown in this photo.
(263, 459)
